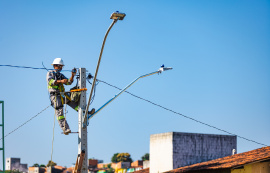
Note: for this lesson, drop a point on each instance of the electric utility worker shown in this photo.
(58, 98)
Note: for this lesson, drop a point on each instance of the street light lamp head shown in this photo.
(118, 16)
(163, 68)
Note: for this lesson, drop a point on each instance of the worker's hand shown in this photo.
(64, 81)
(73, 72)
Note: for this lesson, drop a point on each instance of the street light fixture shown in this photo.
(160, 70)
(115, 16)
(118, 16)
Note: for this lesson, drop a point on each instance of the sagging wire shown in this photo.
(94, 91)
(26, 122)
(44, 66)
(34, 68)
(92, 99)
(193, 119)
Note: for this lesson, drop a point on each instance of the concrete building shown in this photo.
(137, 163)
(135, 166)
(103, 165)
(36, 170)
(172, 150)
(15, 164)
(92, 163)
(121, 165)
(146, 164)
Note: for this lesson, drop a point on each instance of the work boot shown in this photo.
(67, 131)
(92, 111)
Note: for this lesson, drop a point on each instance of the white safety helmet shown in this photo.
(58, 61)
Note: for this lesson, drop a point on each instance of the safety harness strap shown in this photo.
(53, 86)
(67, 97)
(62, 89)
(61, 117)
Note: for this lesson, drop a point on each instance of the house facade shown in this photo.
(15, 164)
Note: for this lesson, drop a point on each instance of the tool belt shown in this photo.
(75, 96)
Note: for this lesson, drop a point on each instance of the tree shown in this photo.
(42, 165)
(114, 158)
(124, 157)
(51, 163)
(36, 165)
(121, 157)
(145, 157)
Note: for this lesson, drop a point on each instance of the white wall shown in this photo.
(146, 164)
(161, 152)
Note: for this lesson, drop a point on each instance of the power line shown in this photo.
(34, 68)
(140, 99)
(94, 91)
(182, 114)
(23, 67)
(26, 122)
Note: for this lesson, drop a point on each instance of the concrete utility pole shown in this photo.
(82, 138)
(83, 106)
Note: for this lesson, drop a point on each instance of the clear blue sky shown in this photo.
(219, 51)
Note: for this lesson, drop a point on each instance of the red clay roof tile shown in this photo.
(236, 160)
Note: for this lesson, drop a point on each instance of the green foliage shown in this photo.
(109, 165)
(114, 158)
(51, 163)
(124, 157)
(36, 165)
(42, 165)
(145, 157)
(121, 157)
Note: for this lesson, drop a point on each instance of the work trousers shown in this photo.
(59, 109)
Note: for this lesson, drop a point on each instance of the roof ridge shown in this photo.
(230, 161)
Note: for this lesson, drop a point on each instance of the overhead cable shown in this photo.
(28, 67)
(26, 122)
(94, 92)
(182, 114)
(143, 100)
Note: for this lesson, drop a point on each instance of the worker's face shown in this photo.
(57, 67)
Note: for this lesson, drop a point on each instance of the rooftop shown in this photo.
(142, 171)
(234, 161)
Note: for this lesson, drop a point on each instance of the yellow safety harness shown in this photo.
(62, 89)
